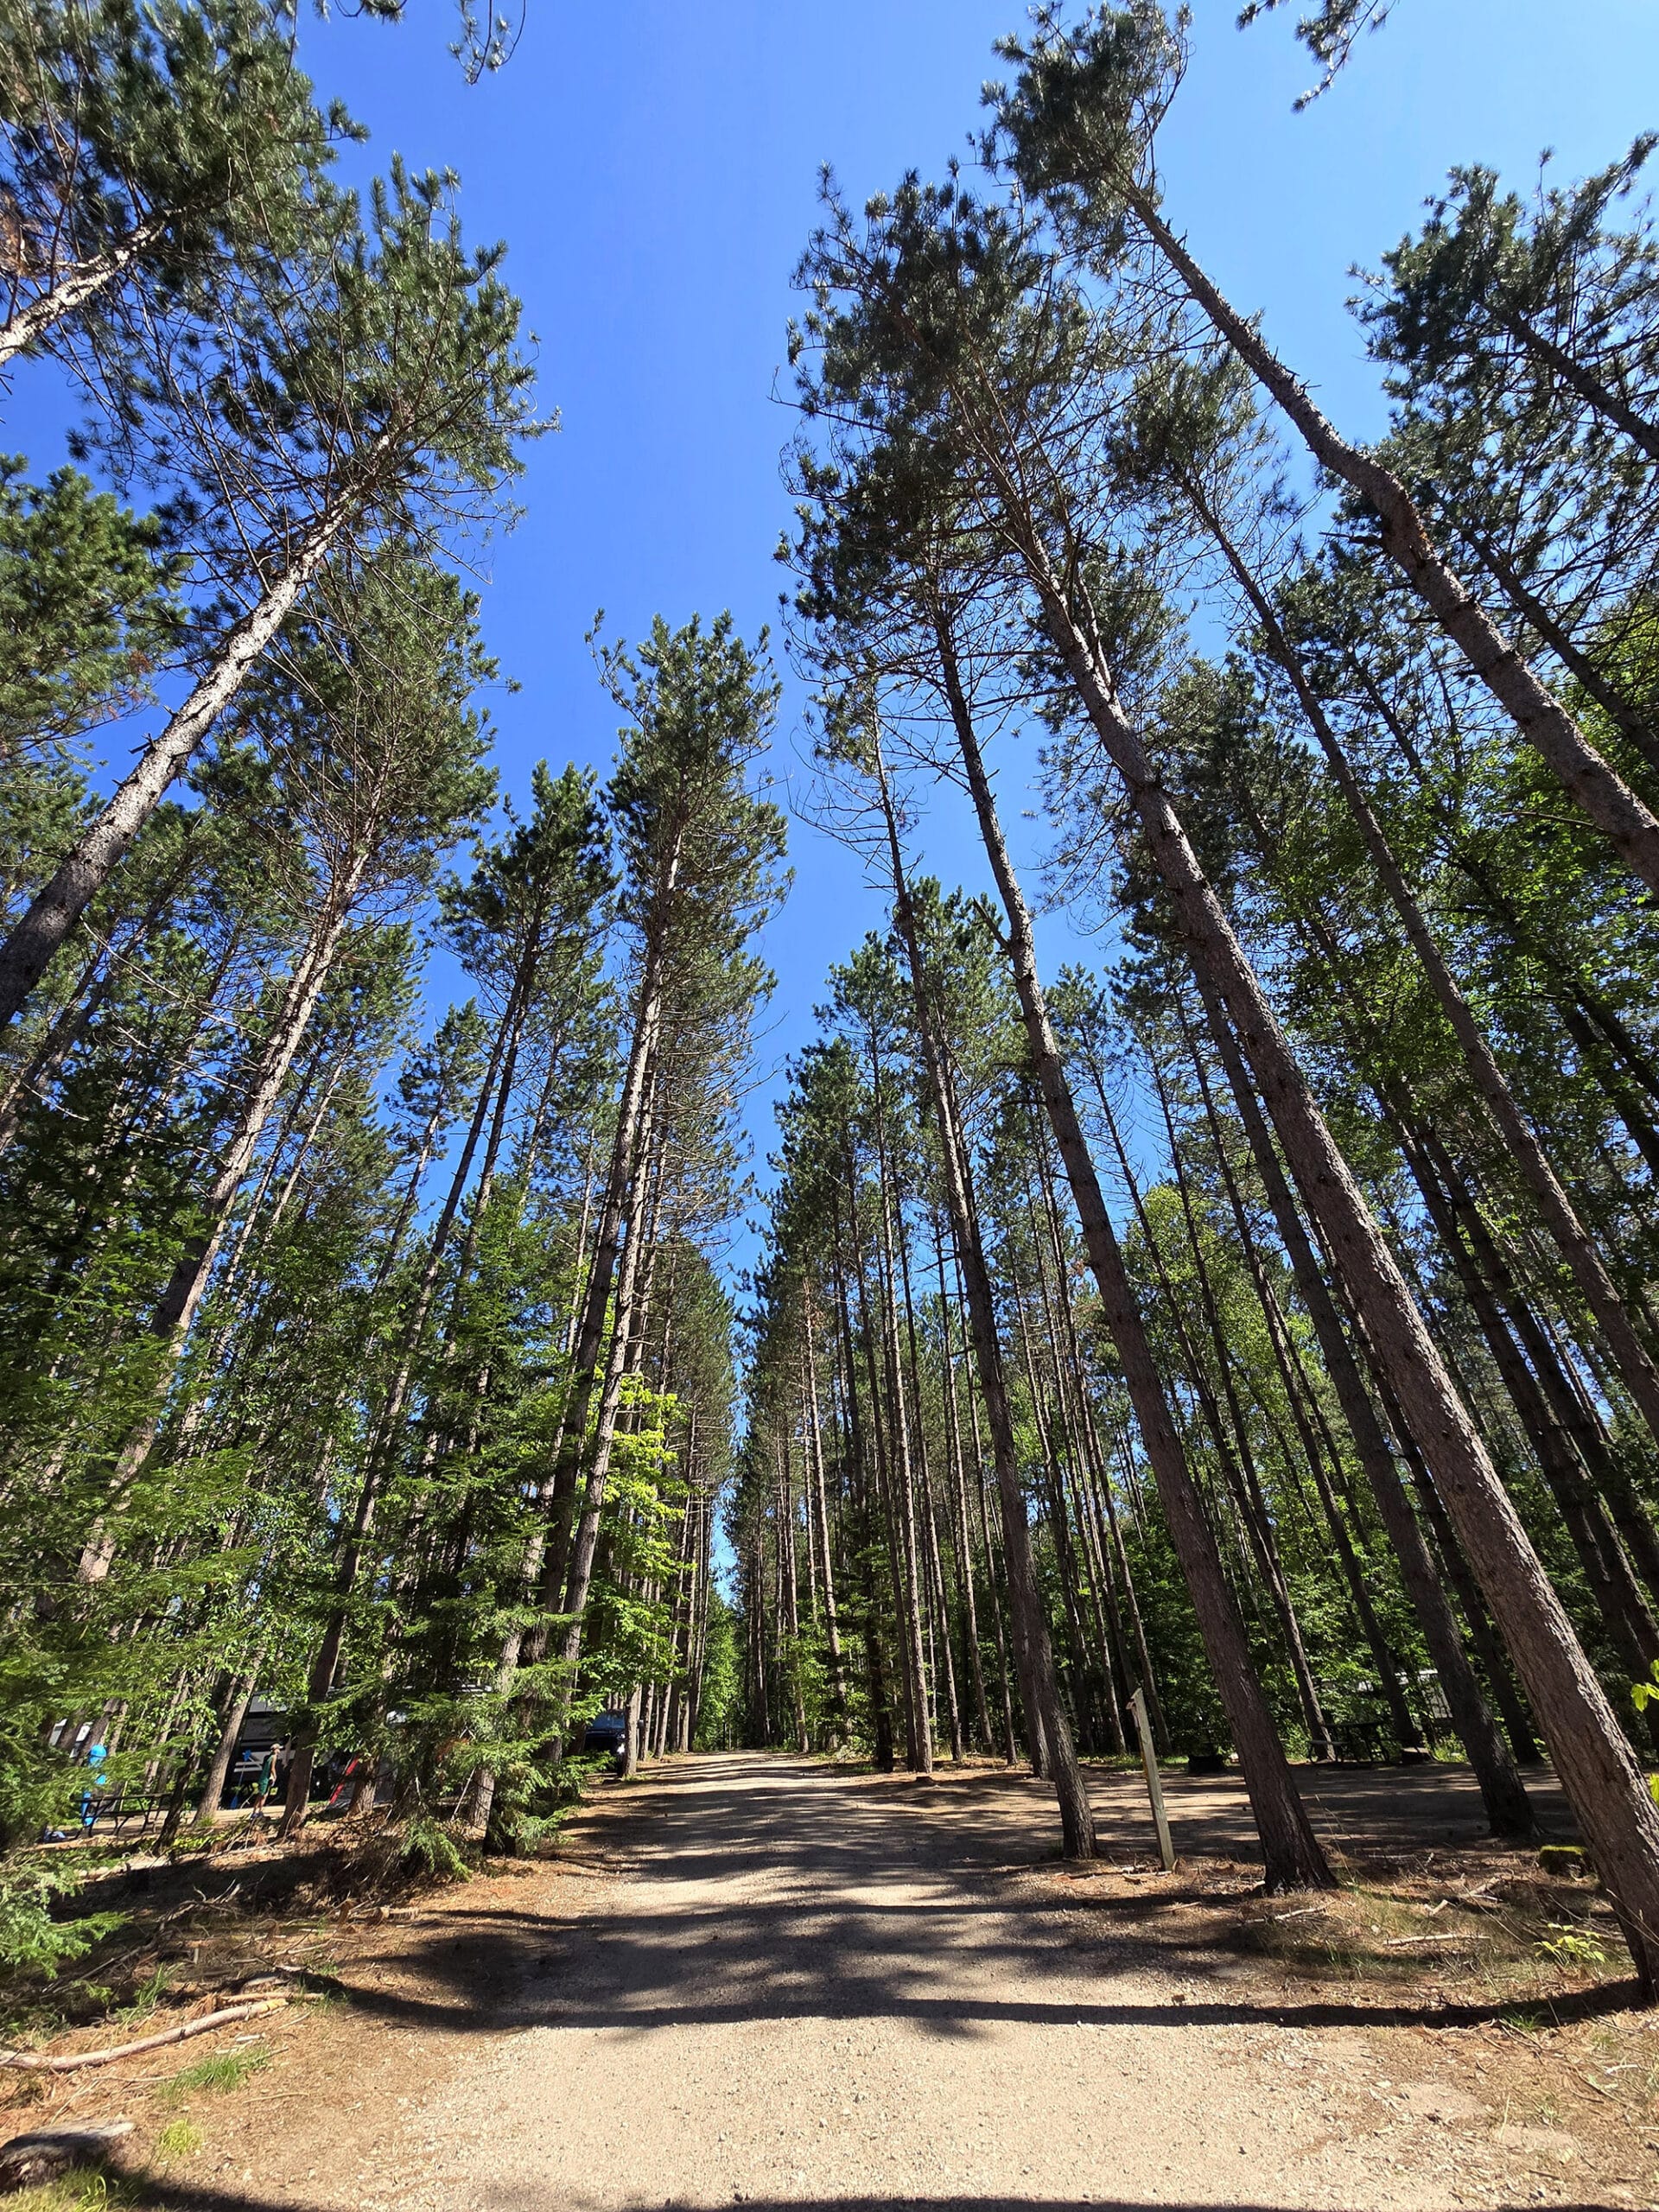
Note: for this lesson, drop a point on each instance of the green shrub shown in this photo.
(29, 1936)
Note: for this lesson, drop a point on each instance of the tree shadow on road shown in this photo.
(784, 1890)
(180, 2196)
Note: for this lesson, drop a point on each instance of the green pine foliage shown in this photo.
(379, 1376)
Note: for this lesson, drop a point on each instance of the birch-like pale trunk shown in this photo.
(82, 873)
(80, 283)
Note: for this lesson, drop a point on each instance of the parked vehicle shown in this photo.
(608, 1733)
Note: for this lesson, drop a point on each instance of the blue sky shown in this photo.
(653, 170)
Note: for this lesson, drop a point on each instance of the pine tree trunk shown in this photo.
(579, 1576)
(174, 1311)
(82, 282)
(1295, 1386)
(1573, 985)
(1606, 1571)
(900, 1465)
(1578, 665)
(81, 1009)
(789, 1574)
(1049, 1735)
(1070, 1377)
(1629, 825)
(1005, 1670)
(1291, 1852)
(240, 1697)
(961, 1538)
(1238, 1459)
(559, 1493)
(934, 1562)
(1571, 372)
(831, 1622)
(382, 1444)
(1607, 1788)
(875, 1672)
(1640, 1375)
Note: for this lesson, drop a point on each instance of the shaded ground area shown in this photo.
(765, 1980)
(1367, 1812)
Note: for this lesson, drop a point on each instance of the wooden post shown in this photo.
(1154, 1786)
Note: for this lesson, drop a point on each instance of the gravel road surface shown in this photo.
(803, 1986)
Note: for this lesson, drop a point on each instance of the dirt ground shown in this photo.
(764, 1980)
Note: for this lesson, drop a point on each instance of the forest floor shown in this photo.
(774, 1981)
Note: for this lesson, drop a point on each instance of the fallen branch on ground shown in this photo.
(30, 2062)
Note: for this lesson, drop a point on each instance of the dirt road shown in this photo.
(799, 1985)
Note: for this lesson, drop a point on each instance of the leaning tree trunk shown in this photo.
(1607, 1573)
(1598, 1771)
(32, 1078)
(559, 1495)
(169, 1322)
(1237, 1460)
(1594, 391)
(579, 1578)
(1629, 825)
(1637, 1369)
(239, 1698)
(1581, 1006)
(325, 1660)
(82, 282)
(1500, 1786)
(1071, 1375)
(1591, 679)
(84, 872)
(1304, 1412)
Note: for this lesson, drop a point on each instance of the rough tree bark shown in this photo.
(1290, 1851)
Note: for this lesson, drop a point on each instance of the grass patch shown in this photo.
(225, 2071)
(178, 2140)
(144, 2000)
(81, 2189)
